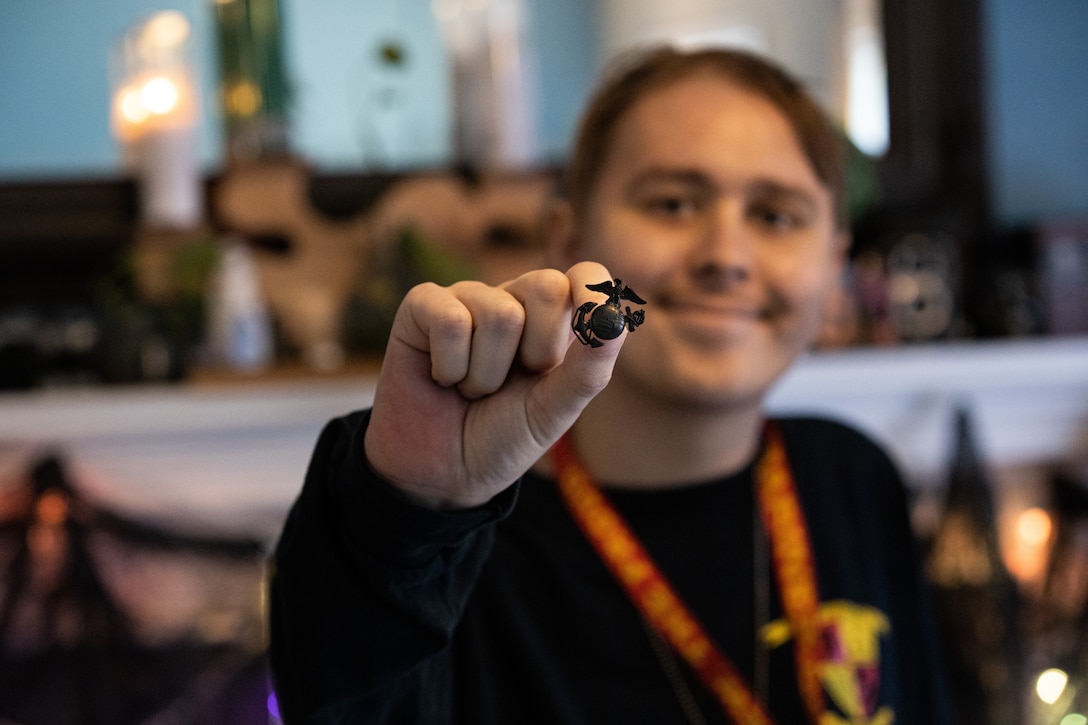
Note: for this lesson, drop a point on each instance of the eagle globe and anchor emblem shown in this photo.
(594, 321)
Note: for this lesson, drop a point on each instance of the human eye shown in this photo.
(781, 214)
(669, 204)
(775, 218)
(673, 206)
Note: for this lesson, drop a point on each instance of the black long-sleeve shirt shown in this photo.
(385, 612)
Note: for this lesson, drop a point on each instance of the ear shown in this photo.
(838, 326)
(843, 241)
(840, 252)
(561, 235)
(840, 249)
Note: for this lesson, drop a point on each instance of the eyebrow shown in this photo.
(658, 174)
(787, 192)
(694, 177)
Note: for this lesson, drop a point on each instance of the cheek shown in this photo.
(644, 270)
(808, 264)
(802, 282)
(629, 252)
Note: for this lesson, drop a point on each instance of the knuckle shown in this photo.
(505, 316)
(468, 287)
(422, 292)
(549, 286)
(426, 301)
(451, 321)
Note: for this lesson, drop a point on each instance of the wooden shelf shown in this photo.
(234, 450)
(1028, 398)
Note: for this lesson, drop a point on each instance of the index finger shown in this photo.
(550, 298)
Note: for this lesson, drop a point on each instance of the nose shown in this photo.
(724, 253)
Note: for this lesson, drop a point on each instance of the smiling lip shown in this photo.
(715, 310)
(717, 321)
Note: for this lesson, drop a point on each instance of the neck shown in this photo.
(636, 442)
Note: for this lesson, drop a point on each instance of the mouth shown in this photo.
(721, 309)
(720, 321)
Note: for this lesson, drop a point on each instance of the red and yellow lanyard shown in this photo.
(663, 608)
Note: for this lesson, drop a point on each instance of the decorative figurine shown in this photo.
(595, 322)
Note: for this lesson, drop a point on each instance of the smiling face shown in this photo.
(707, 206)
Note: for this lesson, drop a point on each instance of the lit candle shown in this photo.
(154, 119)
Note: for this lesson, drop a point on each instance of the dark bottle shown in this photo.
(975, 596)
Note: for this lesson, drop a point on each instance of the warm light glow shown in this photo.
(129, 113)
(52, 508)
(1050, 685)
(159, 95)
(149, 103)
(154, 90)
(1029, 548)
(129, 105)
(165, 31)
(243, 99)
(1033, 527)
(154, 111)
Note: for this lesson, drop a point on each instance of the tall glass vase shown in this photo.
(492, 94)
(252, 79)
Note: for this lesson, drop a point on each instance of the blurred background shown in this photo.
(210, 209)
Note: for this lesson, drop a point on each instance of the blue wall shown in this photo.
(350, 110)
(1037, 104)
(565, 33)
(332, 49)
(55, 82)
(54, 86)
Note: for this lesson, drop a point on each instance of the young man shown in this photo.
(527, 529)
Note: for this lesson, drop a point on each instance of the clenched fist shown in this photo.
(478, 382)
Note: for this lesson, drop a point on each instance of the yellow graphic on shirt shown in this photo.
(850, 672)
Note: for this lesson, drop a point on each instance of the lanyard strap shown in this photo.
(794, 567)
(663, 608)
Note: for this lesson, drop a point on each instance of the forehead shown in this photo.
(708, 122)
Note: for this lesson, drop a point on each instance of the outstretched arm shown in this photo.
(478, 382)
(382, 549)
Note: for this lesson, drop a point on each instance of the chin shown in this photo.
(707, 382)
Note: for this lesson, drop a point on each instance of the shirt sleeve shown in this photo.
(366, 589)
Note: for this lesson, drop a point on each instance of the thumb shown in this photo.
(586, 370)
